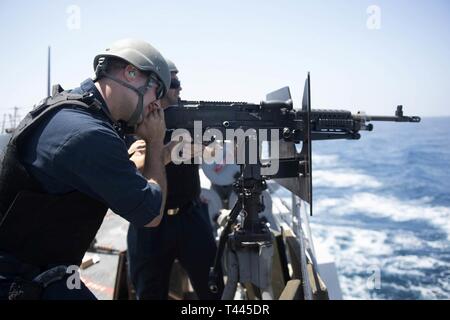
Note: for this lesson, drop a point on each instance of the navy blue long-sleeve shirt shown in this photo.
(76, 149)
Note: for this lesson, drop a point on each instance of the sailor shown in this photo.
(67, 163)
(185, 232)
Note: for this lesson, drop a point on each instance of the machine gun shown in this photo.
(252, 240)
(294, 126)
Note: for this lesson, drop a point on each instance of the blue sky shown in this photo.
(240, 50)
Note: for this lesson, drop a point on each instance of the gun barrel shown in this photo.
(399, 117)
(391, 118)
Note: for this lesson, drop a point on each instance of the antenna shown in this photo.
(48, 71)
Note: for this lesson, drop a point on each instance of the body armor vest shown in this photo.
(36, 227)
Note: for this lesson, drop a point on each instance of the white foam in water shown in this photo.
(356, 252)
(322, 160)
(408, 262)
(408, 241)
(420, 269)
(429, 293)
(378, 206)
(359, 249)
(343, 178)
(361, 254)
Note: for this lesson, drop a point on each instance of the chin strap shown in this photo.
(132, 123)
(133, 120)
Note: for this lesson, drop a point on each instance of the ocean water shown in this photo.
(382, 209)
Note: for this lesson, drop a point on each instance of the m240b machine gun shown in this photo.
(294, 126)
(252, 240)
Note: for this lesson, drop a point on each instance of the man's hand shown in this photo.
(153, 127)
(137, 154)
(137, 147)
(148, 154)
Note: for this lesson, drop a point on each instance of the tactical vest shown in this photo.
(36, 227)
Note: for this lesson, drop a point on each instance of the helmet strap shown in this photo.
(138, 111)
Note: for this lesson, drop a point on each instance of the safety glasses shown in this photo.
(175, 83)
(154, 80)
